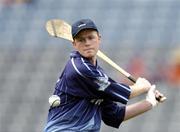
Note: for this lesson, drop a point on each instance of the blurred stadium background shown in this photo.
(146, 31)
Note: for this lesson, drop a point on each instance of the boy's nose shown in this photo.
(87, 42)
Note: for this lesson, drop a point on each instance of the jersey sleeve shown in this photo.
(112, 114)
(100, 82)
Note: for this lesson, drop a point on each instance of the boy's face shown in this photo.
(87, 43)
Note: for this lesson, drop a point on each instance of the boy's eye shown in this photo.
(90, 37)
(80, 40)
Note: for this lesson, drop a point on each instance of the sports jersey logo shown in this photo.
(97, 101)
(102, 82)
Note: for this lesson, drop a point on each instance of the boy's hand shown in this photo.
(143, 84)
(152, 96)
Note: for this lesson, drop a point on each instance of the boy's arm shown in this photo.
(113, 114)
(97, 82)
(138, 108)
(141, 86)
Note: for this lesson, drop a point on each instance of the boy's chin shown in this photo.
(89, 55)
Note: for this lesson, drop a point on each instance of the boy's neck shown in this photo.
(93, 61)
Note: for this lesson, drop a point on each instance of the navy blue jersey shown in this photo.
(87, 96)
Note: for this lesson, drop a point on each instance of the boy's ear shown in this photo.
(99, 36)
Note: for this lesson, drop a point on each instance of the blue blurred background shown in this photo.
(142, 36)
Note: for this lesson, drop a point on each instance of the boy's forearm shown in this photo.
(136, 91)
(136, 109)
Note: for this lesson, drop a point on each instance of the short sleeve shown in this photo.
(112, 113)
